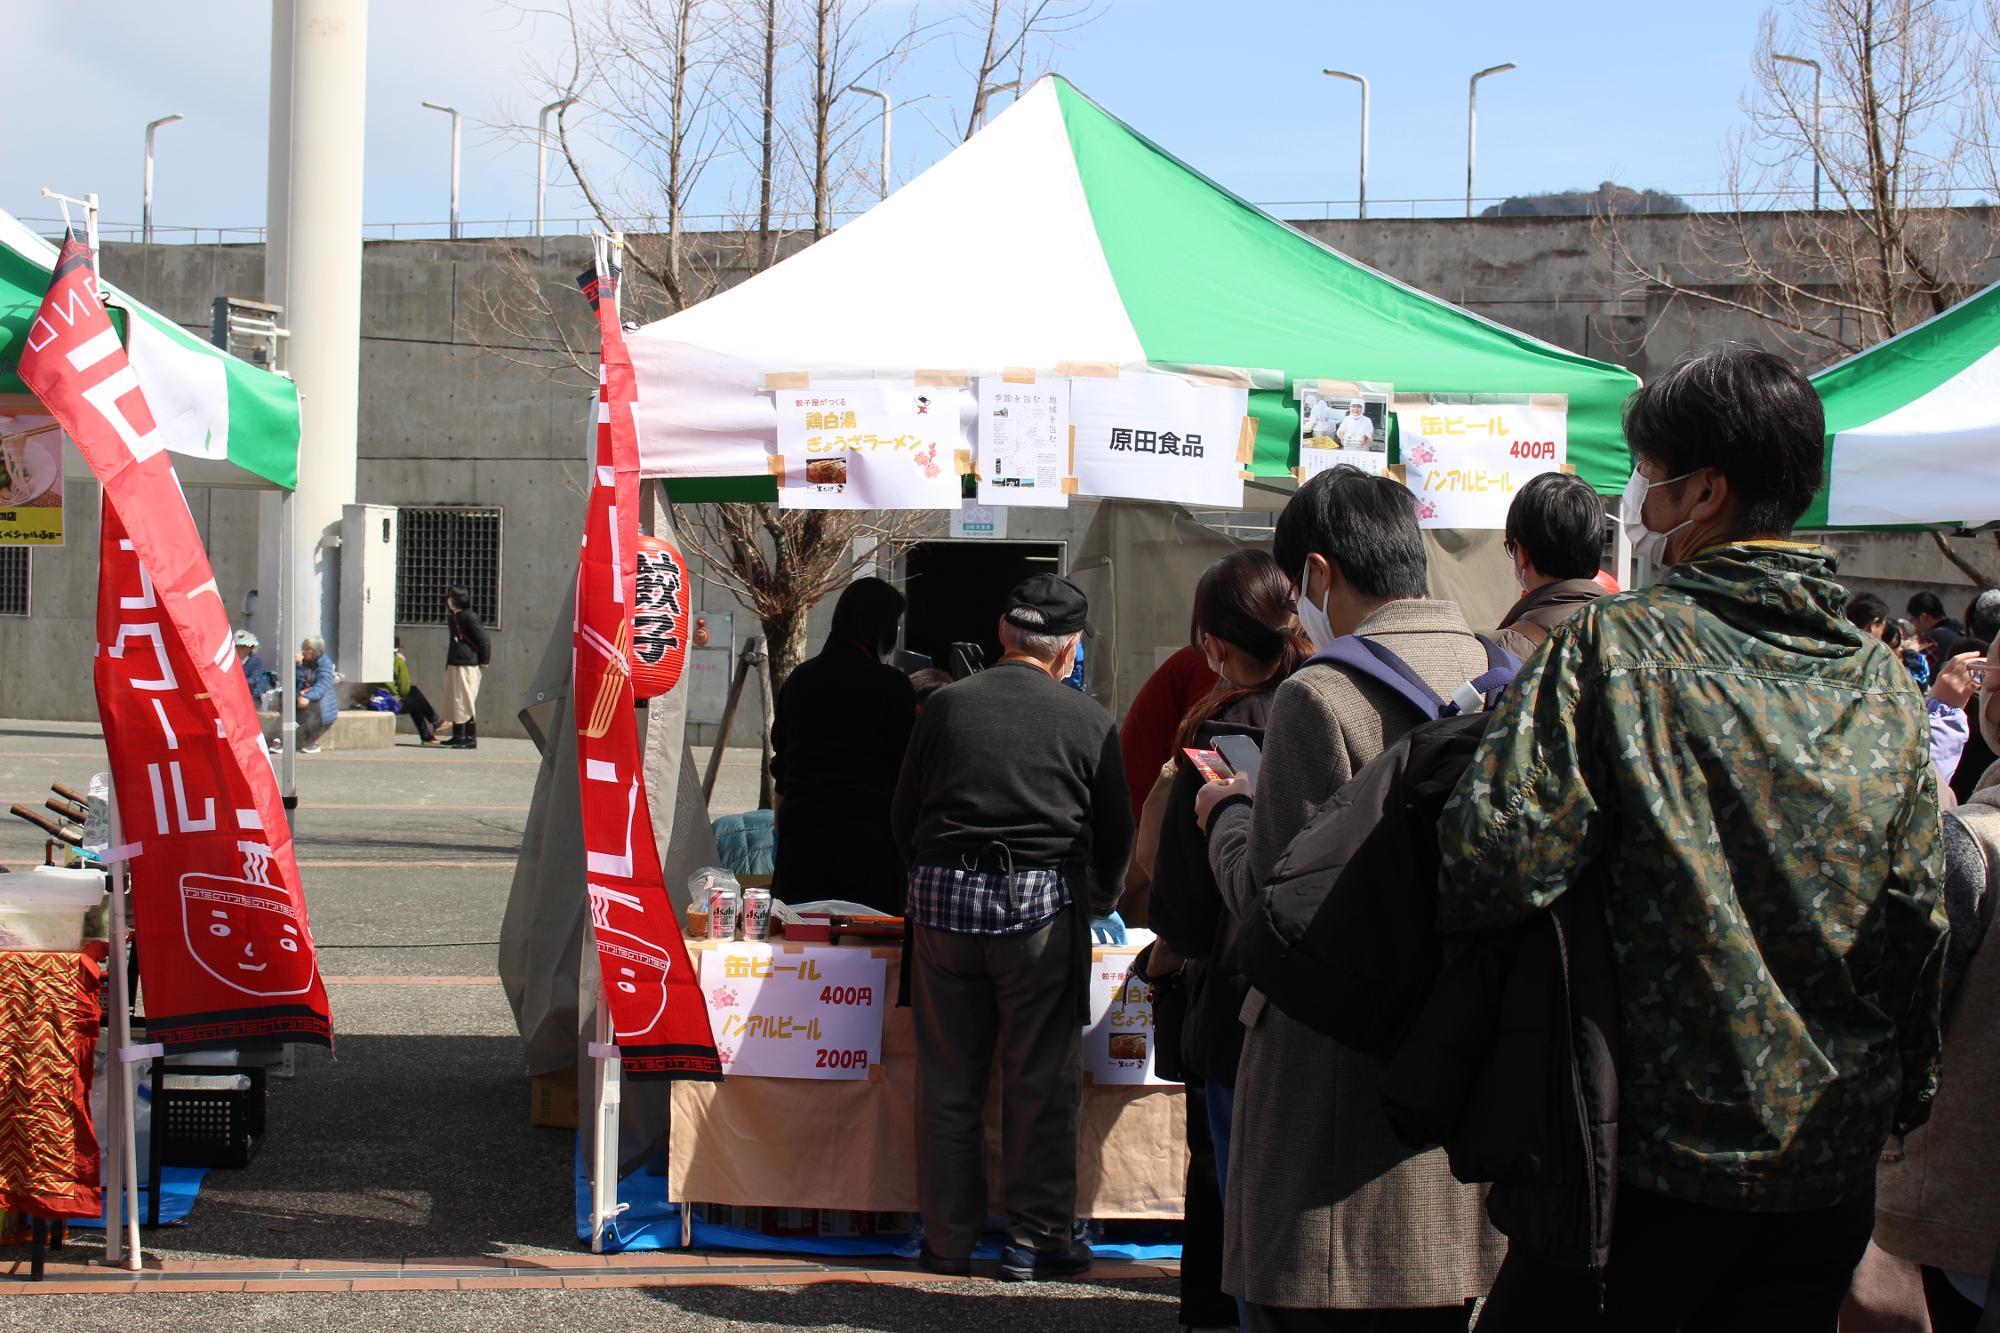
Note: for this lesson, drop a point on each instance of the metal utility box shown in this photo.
(368, 544)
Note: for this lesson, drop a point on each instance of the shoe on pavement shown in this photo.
(1018, 1263)
(308, 749)
(937, 1263)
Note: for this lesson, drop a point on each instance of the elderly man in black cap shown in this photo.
(1013, 816)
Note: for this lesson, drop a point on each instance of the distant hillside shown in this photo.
(1606, 198)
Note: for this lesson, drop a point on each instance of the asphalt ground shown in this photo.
(410, 1142)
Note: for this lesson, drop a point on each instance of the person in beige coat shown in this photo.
(1330, 1221)
(1937, 1193)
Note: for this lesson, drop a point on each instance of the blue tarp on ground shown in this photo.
(653, 1222)
(179, 1187)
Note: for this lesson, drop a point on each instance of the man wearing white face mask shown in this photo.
(1747, 777)
(1329, 1220)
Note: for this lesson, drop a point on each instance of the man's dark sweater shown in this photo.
(1013, 756)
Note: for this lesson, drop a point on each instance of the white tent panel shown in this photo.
(1887, 471)
(920, 281)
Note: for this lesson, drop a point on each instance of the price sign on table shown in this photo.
(803, 1013)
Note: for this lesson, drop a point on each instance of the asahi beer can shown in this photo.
(722, 909)
(756, 914)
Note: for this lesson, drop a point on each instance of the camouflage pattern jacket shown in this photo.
(1748, 776)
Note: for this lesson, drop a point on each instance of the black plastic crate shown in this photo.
(213, 1127)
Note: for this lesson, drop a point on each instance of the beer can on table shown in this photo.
(756, 914)
(722, 912)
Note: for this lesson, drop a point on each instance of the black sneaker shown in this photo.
(1018, 1263)
(937, 1263)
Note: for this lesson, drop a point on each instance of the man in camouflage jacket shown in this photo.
(1747, 775)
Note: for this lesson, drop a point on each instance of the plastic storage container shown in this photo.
(43, 907)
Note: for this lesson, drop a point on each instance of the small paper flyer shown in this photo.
(1023, 448)
(1343, 422)
(869, 444)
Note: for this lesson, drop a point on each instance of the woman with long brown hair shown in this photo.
(1244, 624)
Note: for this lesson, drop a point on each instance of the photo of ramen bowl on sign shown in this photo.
(826, 472)
(30, 462)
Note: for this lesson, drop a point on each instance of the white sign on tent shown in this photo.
(1464, 461)
(869, 444)
(1023, 441)
(1159, 437)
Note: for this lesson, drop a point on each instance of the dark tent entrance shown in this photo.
(956, 590)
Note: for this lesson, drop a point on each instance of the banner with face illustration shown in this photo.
(658, 1020)
(225, 951)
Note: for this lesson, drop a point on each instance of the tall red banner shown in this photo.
(658, 1018)
(225, 952)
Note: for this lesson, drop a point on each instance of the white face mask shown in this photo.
(1312, 618)
(1646, 543)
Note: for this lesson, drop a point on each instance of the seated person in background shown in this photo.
(319, 708)
(260, 678)
(1555, 537)
(415, 706)
(842, 720)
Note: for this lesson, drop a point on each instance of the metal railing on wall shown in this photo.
(1291, 210)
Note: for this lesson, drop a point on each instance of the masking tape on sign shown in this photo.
(1019, 375)
(941, 379)
(1087, 370)
(788, 379)
(1246, 441)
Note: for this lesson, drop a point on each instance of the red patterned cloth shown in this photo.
(48, 1040)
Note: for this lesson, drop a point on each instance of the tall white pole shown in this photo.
(1818, 75)
(1363, 81)
(329, 80)
(887, 106)
(453, 113)
(542, 158)
(146, 200)
(1472, 127)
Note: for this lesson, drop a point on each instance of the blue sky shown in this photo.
(1604, 91)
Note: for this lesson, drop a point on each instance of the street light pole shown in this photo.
(453, 113)
(1818, 76)
(886, 107)
(542, 157)
(1362, 80)
(146, 201)
(1472, 128)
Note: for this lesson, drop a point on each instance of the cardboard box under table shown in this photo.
(849, 1144)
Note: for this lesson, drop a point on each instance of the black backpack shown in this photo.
(1344, 939)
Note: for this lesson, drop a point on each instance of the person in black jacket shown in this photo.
(1011, 811)
(464, 658)
(1245, 629)
(843, 720)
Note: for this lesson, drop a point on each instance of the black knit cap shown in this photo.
(1062, 605)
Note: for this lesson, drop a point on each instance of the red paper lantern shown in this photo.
(659, 619)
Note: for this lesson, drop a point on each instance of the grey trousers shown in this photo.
(971, 994)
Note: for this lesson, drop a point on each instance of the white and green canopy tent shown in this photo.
(1913, 426)
(1060, 234)
(229, 422)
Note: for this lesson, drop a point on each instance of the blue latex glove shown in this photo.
(1108, 929)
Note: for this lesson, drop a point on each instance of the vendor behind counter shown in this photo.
(843, 720)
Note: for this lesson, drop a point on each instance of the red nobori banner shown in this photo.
(658, 1018)
(225, 951)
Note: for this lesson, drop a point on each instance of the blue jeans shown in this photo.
(1221, 1111)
